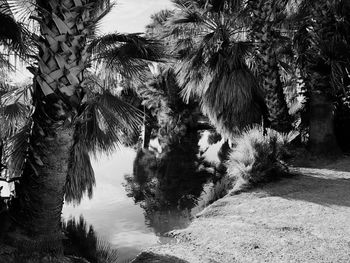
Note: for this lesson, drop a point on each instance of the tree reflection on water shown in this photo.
(167, 185)
(81, 242)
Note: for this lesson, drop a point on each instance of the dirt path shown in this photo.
(305, 218)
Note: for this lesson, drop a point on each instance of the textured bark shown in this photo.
(63, 56)
(37, 209)
(279, 117)
(59, 83)
(263, 19)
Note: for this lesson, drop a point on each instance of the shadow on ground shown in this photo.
(320, 186)
(305, 159)
(148, 257)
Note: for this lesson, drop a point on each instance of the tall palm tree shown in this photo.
(264, 22)
(212, 49)
(72, 116)
(59, 89)
(322, 42)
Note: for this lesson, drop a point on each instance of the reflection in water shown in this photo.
(167, 185)
(114, 216)
(167, 188)
(82, 242)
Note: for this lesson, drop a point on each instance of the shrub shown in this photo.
(257, 156)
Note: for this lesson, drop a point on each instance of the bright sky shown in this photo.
(130, 16)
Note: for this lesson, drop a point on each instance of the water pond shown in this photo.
(138, 197)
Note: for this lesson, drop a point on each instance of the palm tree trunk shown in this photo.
(322, 140)
(279, 117)
(317, 74)
(58, 92)
(2, 165)
(262, 33)
(40, 192)
(146, 131)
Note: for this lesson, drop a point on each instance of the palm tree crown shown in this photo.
(212, 49)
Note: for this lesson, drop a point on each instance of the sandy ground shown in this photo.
(305, 218)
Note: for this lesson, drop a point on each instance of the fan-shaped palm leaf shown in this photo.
(81, 176)
(212, 50)
(102, 125)
(126, 54)
(12, 117)
(17, 41)
(232, 101)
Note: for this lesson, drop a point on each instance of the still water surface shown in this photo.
(116, 218)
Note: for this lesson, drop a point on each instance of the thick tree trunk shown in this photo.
(58, 92)
(322, 140)
(37, 208)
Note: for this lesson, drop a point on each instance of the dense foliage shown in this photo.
(222, 65)
(257, 157)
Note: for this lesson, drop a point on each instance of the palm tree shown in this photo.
(265, 32)
(74, 115)
(58, 92)
(212, 50)
(322, 42)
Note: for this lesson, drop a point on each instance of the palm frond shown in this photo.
(101, 127)
(126, 54)
(84, 242)
(16, 93)
(232, 101)
(104, 121)
(19, 144)
(23, 9)
(5, 62)
(17, 41)
(99, 6)
(14, 108)
(188, 16)
(157, 26)
(81, 176)
(14, 112)
(102, 8)
(105, 252)
(123, 110)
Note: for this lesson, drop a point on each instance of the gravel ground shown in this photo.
(304, 218)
